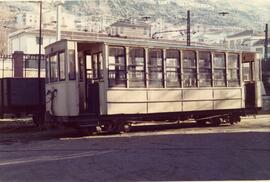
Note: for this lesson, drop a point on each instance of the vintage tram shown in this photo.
(111, 82)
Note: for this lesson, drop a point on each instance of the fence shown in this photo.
(21, 65)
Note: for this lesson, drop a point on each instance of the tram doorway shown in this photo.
(251, 74)
(91, 74)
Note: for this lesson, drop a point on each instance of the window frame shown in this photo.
(189, 70)
(116, 69)
(56, 67)
(141, 83)
(235, 69)
(219, 68)
(71, 57)
(155, 69)
(60, 66)
(176, 69)
(207, 69)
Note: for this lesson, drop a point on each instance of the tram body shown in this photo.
(108, 80)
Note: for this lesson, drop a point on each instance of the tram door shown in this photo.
(250, 79)
(93, 71)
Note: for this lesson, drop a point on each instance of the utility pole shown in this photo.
(266, 42)
(39, 62)
(188, 28)
(58, 17)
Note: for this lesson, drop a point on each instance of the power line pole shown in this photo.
(266, 42)
(188, 28)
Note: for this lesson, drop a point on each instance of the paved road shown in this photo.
(240, 152)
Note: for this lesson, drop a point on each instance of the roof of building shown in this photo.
(261, 42)
(245, 33)
(130, 23)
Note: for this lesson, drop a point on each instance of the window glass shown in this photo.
(205, 72)
(100, 65)
(189, 69)
(62, 70)
(47, 70)
(172, 68)
(117, 67)
(53, 68)
(155, 68)
(219, 70)
(71, 65)
(233, 70)
(89, 70)
(136, 68)
(81, 68)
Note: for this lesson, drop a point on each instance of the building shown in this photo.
(243, 40)
(27, 19)
(130, 28)
(28, 40)
(259, 47)
(67, 20)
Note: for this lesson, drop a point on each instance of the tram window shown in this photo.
(100, 65)
(189, 69)
(219, 70)
(117, 67)
(81, 68)
(47, 80)
(71, 65)
(62, 69)
(246, 71)
(172, 68)
(53, 68)
(136, 67)
(205, 73)
(89, 70)
(233, 70)
(155, 68)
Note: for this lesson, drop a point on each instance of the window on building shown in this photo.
(233, 70)
(62, 69)
(155, 68)
(189, 69)
(53, 68)
(145, 31)
(219, 70)
(136, 67)
(172, 68)
(205, 72)
(117, 67)
(121, 30)
(71, 65)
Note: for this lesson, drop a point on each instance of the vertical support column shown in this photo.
(127, 63)
(105, 55)
(164, 68)
(212, 70)
(18, 64)
(188, 28)
(266, 43)
(58, 26)
(181, 69)
(197, 69)
(146, 68)
(226, 69)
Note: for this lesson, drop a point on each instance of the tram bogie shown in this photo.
(111, 83)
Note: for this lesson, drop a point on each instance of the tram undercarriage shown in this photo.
(124, 122)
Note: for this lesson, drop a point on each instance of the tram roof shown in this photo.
(144, 42)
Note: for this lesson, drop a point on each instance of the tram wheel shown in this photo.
(216, 121)
(201, 122)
